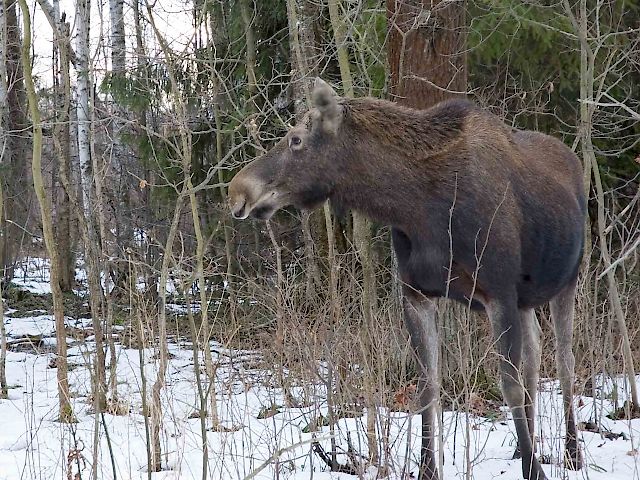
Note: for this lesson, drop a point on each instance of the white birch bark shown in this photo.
(83, 12)
(90, 237)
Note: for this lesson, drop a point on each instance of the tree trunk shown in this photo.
(6, 273)
(426, 51)
(163, 347)
(91, 239)
(184, 150)
(17, 155)
(66, 414)
(120, 158)
(4, 389)
(61, 139)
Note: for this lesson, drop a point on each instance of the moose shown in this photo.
(480, 213)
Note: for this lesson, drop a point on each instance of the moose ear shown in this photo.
(325, 99)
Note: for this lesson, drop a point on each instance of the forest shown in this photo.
(147, 333)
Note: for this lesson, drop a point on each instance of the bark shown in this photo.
(65, 412)
(4, 389)
(303, 46)
(202, 395)
(88, 224)
(118, 50)
(83, 12)
(17, 155)
(425, 51)
(247, 12)
(159, 383)
(120, 157)
(102, 251)
(62, 87)
(204, 300)
(186, 191)
(5, 150)
(304, 54)
(51, 14)
(301, 14)
(229, 242)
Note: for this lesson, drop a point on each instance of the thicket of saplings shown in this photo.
(272, 303)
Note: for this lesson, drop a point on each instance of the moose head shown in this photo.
(299, 170)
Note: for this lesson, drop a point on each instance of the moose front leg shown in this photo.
(420, 320)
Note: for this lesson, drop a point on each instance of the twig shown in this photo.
(333, 465)
(621, 259)
(278, 453)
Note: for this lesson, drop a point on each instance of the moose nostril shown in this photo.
(238, 210)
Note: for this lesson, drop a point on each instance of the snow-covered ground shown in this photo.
(34, 446)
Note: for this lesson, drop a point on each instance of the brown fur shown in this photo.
(504, 208)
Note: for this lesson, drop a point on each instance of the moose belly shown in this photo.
(431, 278)
(550, 261)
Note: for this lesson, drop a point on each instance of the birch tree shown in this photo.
(87, 219)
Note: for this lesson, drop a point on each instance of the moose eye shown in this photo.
(295, 141)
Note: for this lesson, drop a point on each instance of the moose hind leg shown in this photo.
(531, 335)
(420, 320)
(507, 328)
(562, 314)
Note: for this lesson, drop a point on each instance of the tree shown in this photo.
(594, 88)
(17, 155)
(425, 50)
(64, 397)
(4, 388)
(61, 138)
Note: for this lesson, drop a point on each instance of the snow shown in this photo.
(39, 325)
(32, 275)
(34, 446)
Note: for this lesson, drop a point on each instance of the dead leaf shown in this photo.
(403, 396)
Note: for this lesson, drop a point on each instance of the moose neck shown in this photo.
(396, 162)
